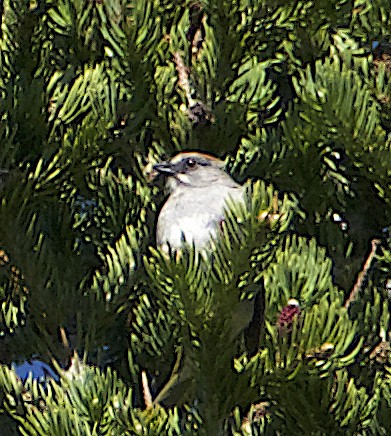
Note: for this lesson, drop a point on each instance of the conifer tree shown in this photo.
(285, 328)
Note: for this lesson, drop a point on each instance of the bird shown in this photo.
(199, 188)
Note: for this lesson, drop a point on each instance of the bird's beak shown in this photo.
(165, 168)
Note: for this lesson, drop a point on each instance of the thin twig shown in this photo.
(362, 273)
(173, 378)
(183, 76)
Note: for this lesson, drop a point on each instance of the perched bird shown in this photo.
(199, 189)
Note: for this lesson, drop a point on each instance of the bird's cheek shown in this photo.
(183, 178)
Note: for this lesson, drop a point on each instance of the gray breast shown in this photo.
(193, 215)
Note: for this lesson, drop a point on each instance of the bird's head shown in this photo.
(193, 170)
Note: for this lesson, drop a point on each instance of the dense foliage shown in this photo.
(284, 329)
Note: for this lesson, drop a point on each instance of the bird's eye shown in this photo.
(191, 163)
